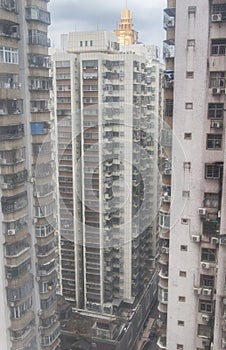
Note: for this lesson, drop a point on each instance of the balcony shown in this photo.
(169, 18)
(11, 132)
(14, 203)
(9, 30)
(39, 61)
(34, 13)
(40, 83)
(11, 107)
(47, 268)
(161, 343)
(168, 49)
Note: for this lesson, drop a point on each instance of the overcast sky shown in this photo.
(82, 15)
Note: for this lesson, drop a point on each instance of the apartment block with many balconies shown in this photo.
(27, 216)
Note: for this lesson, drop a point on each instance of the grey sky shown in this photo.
(82, 15)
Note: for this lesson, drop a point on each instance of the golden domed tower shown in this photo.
(126, 34)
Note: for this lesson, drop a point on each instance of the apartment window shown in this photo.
(181, 299)
(184, 221)
(80, 43)
(86, 43)
(182, 273)
(91, 42)
(8, 55)
(191, 42)
(184, 248)
(208, 255)
(191, 9)
(215, 110)
(218, 47)
(180, 346)
(206, 281)
(186, 194)
(211, 200)
(189, 75)
(187, 135)
(212, 171)
(214, 141)
(204, 330)
(188, 105)
(187, 165)
(217, 79)
(164, 220)
(205, 306)
(180, 323)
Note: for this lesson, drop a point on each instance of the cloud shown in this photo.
(71, 15)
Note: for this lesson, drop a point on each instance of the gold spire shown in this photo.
(126, 34)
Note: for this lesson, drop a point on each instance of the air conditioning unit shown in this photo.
(217, 17)
(205, 265)
(205, 317)
(206, 291)
(217, 125)
(165, 250)
(223, 240)
(9, 276)
(198, 290)
(39, 312)
(214, 240)
(216, 91)
(11, 232)
(37, 278)
(35, 220)
(202, 211)
(195, 238)
(4, 186)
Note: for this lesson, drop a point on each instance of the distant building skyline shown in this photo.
(75, 16)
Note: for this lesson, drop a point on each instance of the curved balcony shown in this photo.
(161, 343)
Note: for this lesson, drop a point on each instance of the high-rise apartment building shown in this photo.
(105, 103)
(104, 148)
(192, 276)
(27, 215)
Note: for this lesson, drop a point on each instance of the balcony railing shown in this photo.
(168, 49)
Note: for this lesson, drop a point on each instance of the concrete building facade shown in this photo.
(192, 260)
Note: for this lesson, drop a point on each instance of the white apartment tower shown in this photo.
(192, 278)
(27, 211)
(105, 149)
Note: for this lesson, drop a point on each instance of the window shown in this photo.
(218, 47)
(188, 105)
(191, 9)
(213, 171)
(80, 43)
(184, 221)
(180, 346)
(180, 323)
(215, 110)
(181, 299)
(208, 255)
(211, 200)
(205, 306)
(187, 165)
(217, 79)
(206, 281)
(191, 42)
(214, 141)
(91, 42)
(164, 220)
(8, 55)
(189, 75)
(184, 248)
(187, 135)
(182, 273)
(186, 194)
(204, 331)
